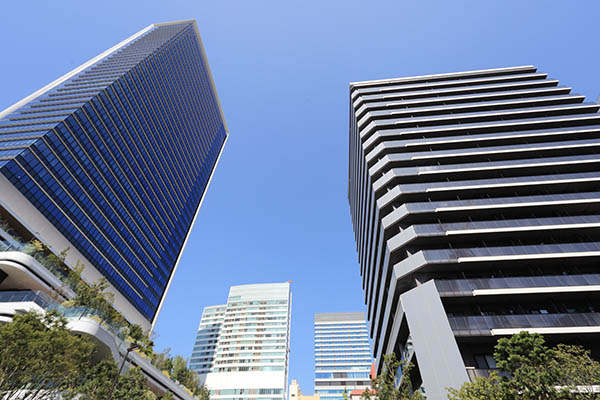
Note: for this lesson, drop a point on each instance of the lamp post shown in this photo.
(114, 385)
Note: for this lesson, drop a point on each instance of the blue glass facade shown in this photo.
(342, 354)
(118, 156)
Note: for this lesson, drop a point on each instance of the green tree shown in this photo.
(167, 396)
(526, 357)
(575, 366)
(203, 393)
(162, 361)
(385, 383)
(39, 355)
(132, 385)
(180, 370)
(534, 372)
(185, 376)
(93, 296)
(139, 338)
(480, 389)
(97, 383)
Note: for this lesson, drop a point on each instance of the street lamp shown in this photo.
(114, 385)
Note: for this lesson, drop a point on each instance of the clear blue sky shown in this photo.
(277, 208)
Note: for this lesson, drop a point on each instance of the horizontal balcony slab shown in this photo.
(383, 135)
(518, 285)
(509, 324)
(446, 155)
(484, 184)
(469, 118)
(432, 259)
(497, 203)
(26, 273)
(374, 92)
(471, 141)
(466, 98)
(491, 228)
(479, 106)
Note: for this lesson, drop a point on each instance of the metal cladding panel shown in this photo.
(482, 174)
(425, 314)
(118, 156)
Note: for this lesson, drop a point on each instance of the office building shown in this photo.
(474, 200)
(342, 354)
(112, 160)
(241, 348)
(107, 166)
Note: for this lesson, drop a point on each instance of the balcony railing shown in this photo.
(461, 287)
(484, 372)
(70, 313)
(12, 243)
(77, 313)
(49, 262)
(38, 297)
(482, 325)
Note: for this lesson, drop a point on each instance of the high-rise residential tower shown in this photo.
(342, 354)
(205, 347)
(475, 204)
(112, 161)
(241, 349)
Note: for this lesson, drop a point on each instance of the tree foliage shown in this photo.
(97, 384)
(39, 355)
(176, 368)
(533, 371)
(203, 393)
(185, 376)
(139, 338)
(385, 383)
(93, 296)
(162, 361)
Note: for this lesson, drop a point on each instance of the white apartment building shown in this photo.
(241, 349)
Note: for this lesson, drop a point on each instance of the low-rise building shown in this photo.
(296, 393)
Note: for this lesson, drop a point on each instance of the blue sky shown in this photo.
(277, 208)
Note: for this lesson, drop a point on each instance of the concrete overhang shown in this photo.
(26, 273)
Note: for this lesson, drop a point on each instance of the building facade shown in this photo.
(474, 199)
(112, 160)
(106, 168)
(342, 354)
(241, 349)
(296, 394)
(205, 346)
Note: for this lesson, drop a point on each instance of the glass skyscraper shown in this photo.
(113, 159)
(474, 199)
(342, 354)
(241, 348)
